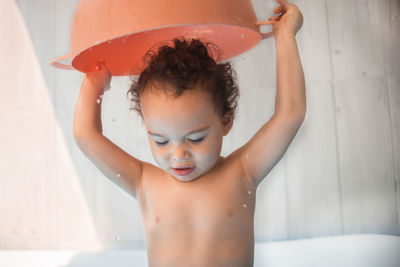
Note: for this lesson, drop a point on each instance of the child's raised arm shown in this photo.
(269, 144)
(117, 165)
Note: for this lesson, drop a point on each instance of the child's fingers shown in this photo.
(276, 18)
(282, 2)
(272, 18)
(101, 65)
(278, 9)
(264, 22)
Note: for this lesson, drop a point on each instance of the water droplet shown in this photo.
(101, 96)
(247, 156)
(98, 101)
(97, 42)
(249, 192)
(242, 36)
(119, 175)
(116, 237)
(244, 206)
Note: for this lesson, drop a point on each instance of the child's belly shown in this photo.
(203, 224)
(209, 240)
(202, 236)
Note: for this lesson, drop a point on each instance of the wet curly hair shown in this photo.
(187, 65)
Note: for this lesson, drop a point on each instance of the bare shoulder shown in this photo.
(150, 176)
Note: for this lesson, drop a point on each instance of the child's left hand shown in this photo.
(289, 20)
(100, 78)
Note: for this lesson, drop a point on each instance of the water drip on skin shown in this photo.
(249, 192)
(244, 206)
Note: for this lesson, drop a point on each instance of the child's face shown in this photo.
(184, 131)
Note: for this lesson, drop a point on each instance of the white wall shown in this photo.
(340, 176)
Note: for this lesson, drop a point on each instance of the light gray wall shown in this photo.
(340, 176)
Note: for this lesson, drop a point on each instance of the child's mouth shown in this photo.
(183, 171)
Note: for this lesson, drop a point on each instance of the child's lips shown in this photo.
(183, 171)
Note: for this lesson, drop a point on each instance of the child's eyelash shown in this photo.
(197, 141)
(161, 144)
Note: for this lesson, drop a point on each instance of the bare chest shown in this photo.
(219, 207)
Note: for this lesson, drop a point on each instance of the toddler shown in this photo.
(197, 206)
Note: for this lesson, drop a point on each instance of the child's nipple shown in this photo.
(229, 212)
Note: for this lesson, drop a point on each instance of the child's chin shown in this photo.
(188, 178)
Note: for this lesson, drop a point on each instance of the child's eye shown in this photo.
(192, 141)
(161, 143)
(197, 140)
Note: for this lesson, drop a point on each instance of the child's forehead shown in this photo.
(193, 100)
(184, 116)
(177, 124)
(185, 113)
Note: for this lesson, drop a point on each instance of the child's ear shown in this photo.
(228, 122)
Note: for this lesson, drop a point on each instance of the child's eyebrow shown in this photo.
(189, 133)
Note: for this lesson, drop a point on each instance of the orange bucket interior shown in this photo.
(123, 55)
(120, 32)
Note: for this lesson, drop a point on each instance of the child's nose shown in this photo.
(179, 154)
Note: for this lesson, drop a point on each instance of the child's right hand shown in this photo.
(289, 20)
(100, 78)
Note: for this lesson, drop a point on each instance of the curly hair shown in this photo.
(188, 65)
